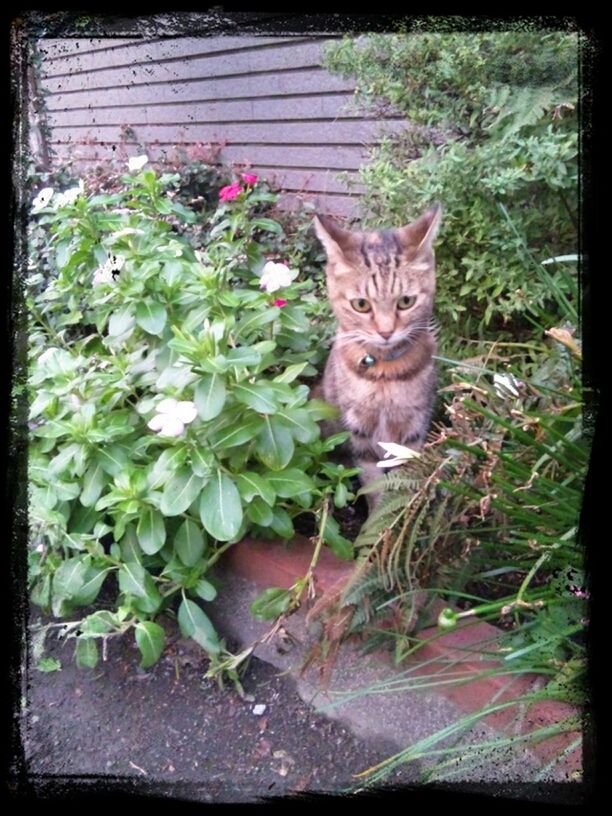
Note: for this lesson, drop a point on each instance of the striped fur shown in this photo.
(391, 398)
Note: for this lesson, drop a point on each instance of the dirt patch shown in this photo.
(168, 726)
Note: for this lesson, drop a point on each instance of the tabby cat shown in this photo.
(380, 371)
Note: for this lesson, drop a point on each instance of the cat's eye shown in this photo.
(361, 305)
(406, 301)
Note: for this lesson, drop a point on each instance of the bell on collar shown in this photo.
(368, 361)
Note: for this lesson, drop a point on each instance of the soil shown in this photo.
(350, 519)
(168, 729)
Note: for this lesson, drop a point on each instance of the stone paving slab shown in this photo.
(401, 717)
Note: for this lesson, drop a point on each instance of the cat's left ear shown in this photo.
(422, 233)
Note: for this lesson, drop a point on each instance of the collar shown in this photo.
(368, 360)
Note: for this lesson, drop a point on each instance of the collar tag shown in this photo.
(368, 361)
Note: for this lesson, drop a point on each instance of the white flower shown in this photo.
(172, 416)
(506, 385)
(75, 402)
(276, 276)
(104, 273)
(42, 199)
(401, 453)
(70, 196)
(137, 162)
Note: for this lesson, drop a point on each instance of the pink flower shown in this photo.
(249, 178)
(230, 192)
(280, 303)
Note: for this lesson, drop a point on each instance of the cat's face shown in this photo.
(381, 284)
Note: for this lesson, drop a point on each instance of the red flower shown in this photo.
(230, 192)
(249, 178)
(280, 302)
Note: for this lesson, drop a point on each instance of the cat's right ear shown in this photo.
(335, 240)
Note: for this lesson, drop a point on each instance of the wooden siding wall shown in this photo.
(266, 99)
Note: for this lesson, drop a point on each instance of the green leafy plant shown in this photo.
(167, 414)
(491, 121)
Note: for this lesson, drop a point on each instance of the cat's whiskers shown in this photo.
(345, 338)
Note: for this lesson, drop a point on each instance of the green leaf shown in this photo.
(339, 545)
(300, 423)
(62, 252)
(150, 639)
(194, 623)
(42, 400)
(254, 484)
(83, 519)
(151, 531)
(340, 495)
(152, 600)
(130, 549)
(63, 459)
(151, 316)
(282, 523)
(202, 461)
(189, 543)
(257, 396)
(93, 484)
(86, 653)
(271, 603)
(256, 320)
(49, 664)
(209, 396)
(69, 577)
(274, 445)
(294, 318)
(205, 590)
(66, 491)
(166, 465)
(267, 224)
(259, 512)
(244, 356)
(290, 482)
(319, 409)
(132, 579)
(180, 491)
(121, 321)
(238, 433)
(221, 508)
(89, 591)
(99, 623)
(291, 373)
(113, 459)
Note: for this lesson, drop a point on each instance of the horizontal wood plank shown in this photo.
(341, 157)
(342, 206)
(265, 60)
(126, 54)
(309, 81)
(59, 48)
(289, 107)
(351, 131)
(319, 181)
(331, 157)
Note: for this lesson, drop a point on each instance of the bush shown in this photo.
(492, 121)
(168, 417)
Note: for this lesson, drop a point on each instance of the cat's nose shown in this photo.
(385, 334)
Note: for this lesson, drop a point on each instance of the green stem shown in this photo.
(218, 553)
(51, 332)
